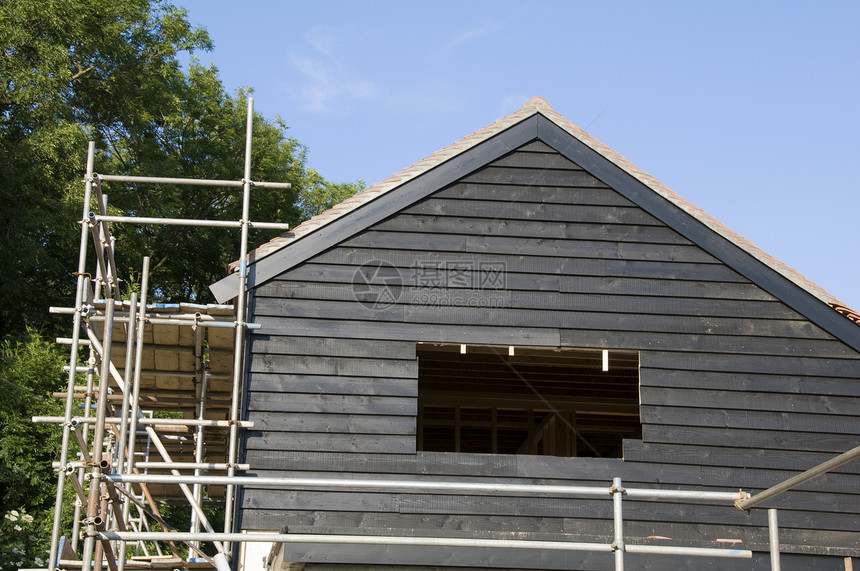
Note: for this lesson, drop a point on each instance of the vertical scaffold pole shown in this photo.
(73, 355)
(130, 337)
(618, 545)
(238, 352)
(134, 398)
(93, 506)
(773, 534)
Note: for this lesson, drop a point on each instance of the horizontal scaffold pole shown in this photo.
(189, 181)
(221, 466)
(423, 542)
(424, 485)
(190, 222)
(164, 421)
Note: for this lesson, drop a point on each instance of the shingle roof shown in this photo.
(531, 107)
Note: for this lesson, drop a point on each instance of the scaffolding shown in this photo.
(188, 359)
(185, 358)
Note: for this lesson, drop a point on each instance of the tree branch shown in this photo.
(82, 71)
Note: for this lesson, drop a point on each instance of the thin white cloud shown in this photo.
(328, 81)
(512, 102)
(469, 36)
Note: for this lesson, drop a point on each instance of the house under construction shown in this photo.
(522, 352)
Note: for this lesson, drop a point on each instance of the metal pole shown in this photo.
(135, 388)
(795, 481)
(190, 181)
(126, 396)
(186, 491)
(702, 496)
(219, 466)
(428, 541)
(73, 354)
(130, 335)
(617, 492)
(198, 445)
(101, 269)
(84, 433)
(344, 483)
(98, 441)
(773, 534)
(241, 318)
(190, 222)
(362, 540)
(694, 551)
(165, 421)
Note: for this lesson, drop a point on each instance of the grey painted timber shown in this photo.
(744, 378)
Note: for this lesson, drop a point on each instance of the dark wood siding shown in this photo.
(737, 389)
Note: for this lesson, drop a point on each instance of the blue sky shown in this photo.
(750, 110)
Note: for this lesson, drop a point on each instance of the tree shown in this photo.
(31, 369)
(109, 71)
(78, 70)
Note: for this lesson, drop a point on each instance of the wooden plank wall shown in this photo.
(737, 390)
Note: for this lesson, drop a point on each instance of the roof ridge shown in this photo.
(531, 107)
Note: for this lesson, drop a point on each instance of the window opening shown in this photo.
(544, 401)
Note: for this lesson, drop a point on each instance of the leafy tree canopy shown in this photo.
(109, 71)
(73, 70)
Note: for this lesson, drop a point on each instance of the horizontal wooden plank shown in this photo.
(332, 423)
(526, 246)
(760, 439)
(487, 335)
(719, 455)
(332, 404)
(504, 175)
(610, 286)
(751, 401)
(827, 423)
(382, 558)
(328, 442)
(402, 465)
(522, 291)
(500, 505)
(333, 384)
(761, 382)
(662, 288)
(469, 314)
(436, 224)
(536, 160)
(408, 259)
(330, 347)
(535, 193)
(303, 521)
(318, 365)
(536, 146)
(549, 213)
(737, 344)
(747, 536)
(828, 367)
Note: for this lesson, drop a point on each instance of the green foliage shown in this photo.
(19, 544)
(78, 70)
(71, 69)
(108, 71)
(317, 195)
(31, 370)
